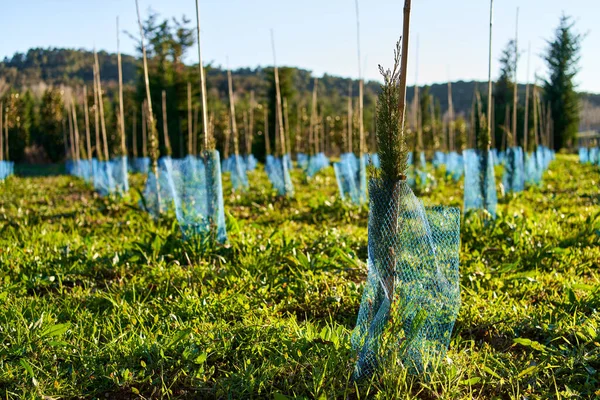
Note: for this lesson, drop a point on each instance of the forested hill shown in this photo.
(73, 67)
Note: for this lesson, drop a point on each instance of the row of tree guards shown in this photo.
(412, 296)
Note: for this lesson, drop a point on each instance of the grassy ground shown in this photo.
(99, 301)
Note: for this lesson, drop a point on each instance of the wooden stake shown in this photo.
(101, 104)
(266, 125)
(451, 133)
(1, 130)
(350, 132)
(189, 119)
(75, 131)
(251, 123)
(207, 142)
(515, 95)
(121, 112)
(288, 149)
(144, 129)
(165, 124)
(86, 113)
(313, 119)
(233, 124)
(98, 146)
(526, 122)
(154, 150)
(69, 112)
(134, 133)
(279, 113)
(489, 94)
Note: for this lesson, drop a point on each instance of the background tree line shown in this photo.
(36, 86)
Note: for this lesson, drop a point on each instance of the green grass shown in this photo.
(97, 300)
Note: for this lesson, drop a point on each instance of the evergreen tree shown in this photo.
(562, 57)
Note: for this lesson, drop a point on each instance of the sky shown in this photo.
(320, 36)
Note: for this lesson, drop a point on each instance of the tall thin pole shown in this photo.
(251, 123)
(266, 124)
(144, 129)
(69, 111)
(154, 150)
(404, 65)
(526, 122)
(288, 148)
(202, 83)
(361, 128)
(86, 114)
(134, 133)
(1, 130)
(121, 112)
(165, 123)
(313, 118)
(515, 95)
(233, 124)
(101, 104)
(278, 97)
(189, 118)
(489, 93)
(75, 131)
(350, 118)
(451, 140)
(97, 119)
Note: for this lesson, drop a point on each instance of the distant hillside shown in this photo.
(73, 67)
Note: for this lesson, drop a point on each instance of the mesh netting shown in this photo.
(593, 155)
(534, 167)
(501, 157)
(140, 165)
(80, 168)
(302, 161)
(374, 158)
(454, 165)
(583, 155)
(351, 176)
(439, 159)
(110, 177)
(316, 163)
(480, 183)
(250, 162)
(278, 171)
(495, 156)
(514, 171)
(236, 166)
(6, 169)
(412, 294)
(192, 188)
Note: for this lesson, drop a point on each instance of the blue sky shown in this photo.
(321, 35)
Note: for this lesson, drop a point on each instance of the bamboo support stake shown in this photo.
(436, 142)
(246, 133)
(279, 113)
(451, 132)
(266, 125)
(313, 119)
(515, 95)
(232, 122)
(207, 142)
(361, 128)
(86, 115)
(350, 118)
(489, 93)
(251, 123)
(526, 122)
(288, 148)
(98, 146)
(154, 150)
(6, 143)
(166, 124)
(195, 134)
(134, 133)
(1, 130)
(298, 135)
(189, 119)
(144, 129)
(101, 104)
(121, 112)
(535, 114)
(69, 112)
(75, 131)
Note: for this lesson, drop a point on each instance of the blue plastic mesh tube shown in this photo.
(583, 155)
(514, 171)
(593, 155)
(250, 162)
(412, 294)
(6, 169)
(316, 163)
(278, 171)
(439, 159)
(351, 176)
(140, 165)
(302, 161)
(454, 165)
(239, 178)
(191, 187)
(480, 183)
